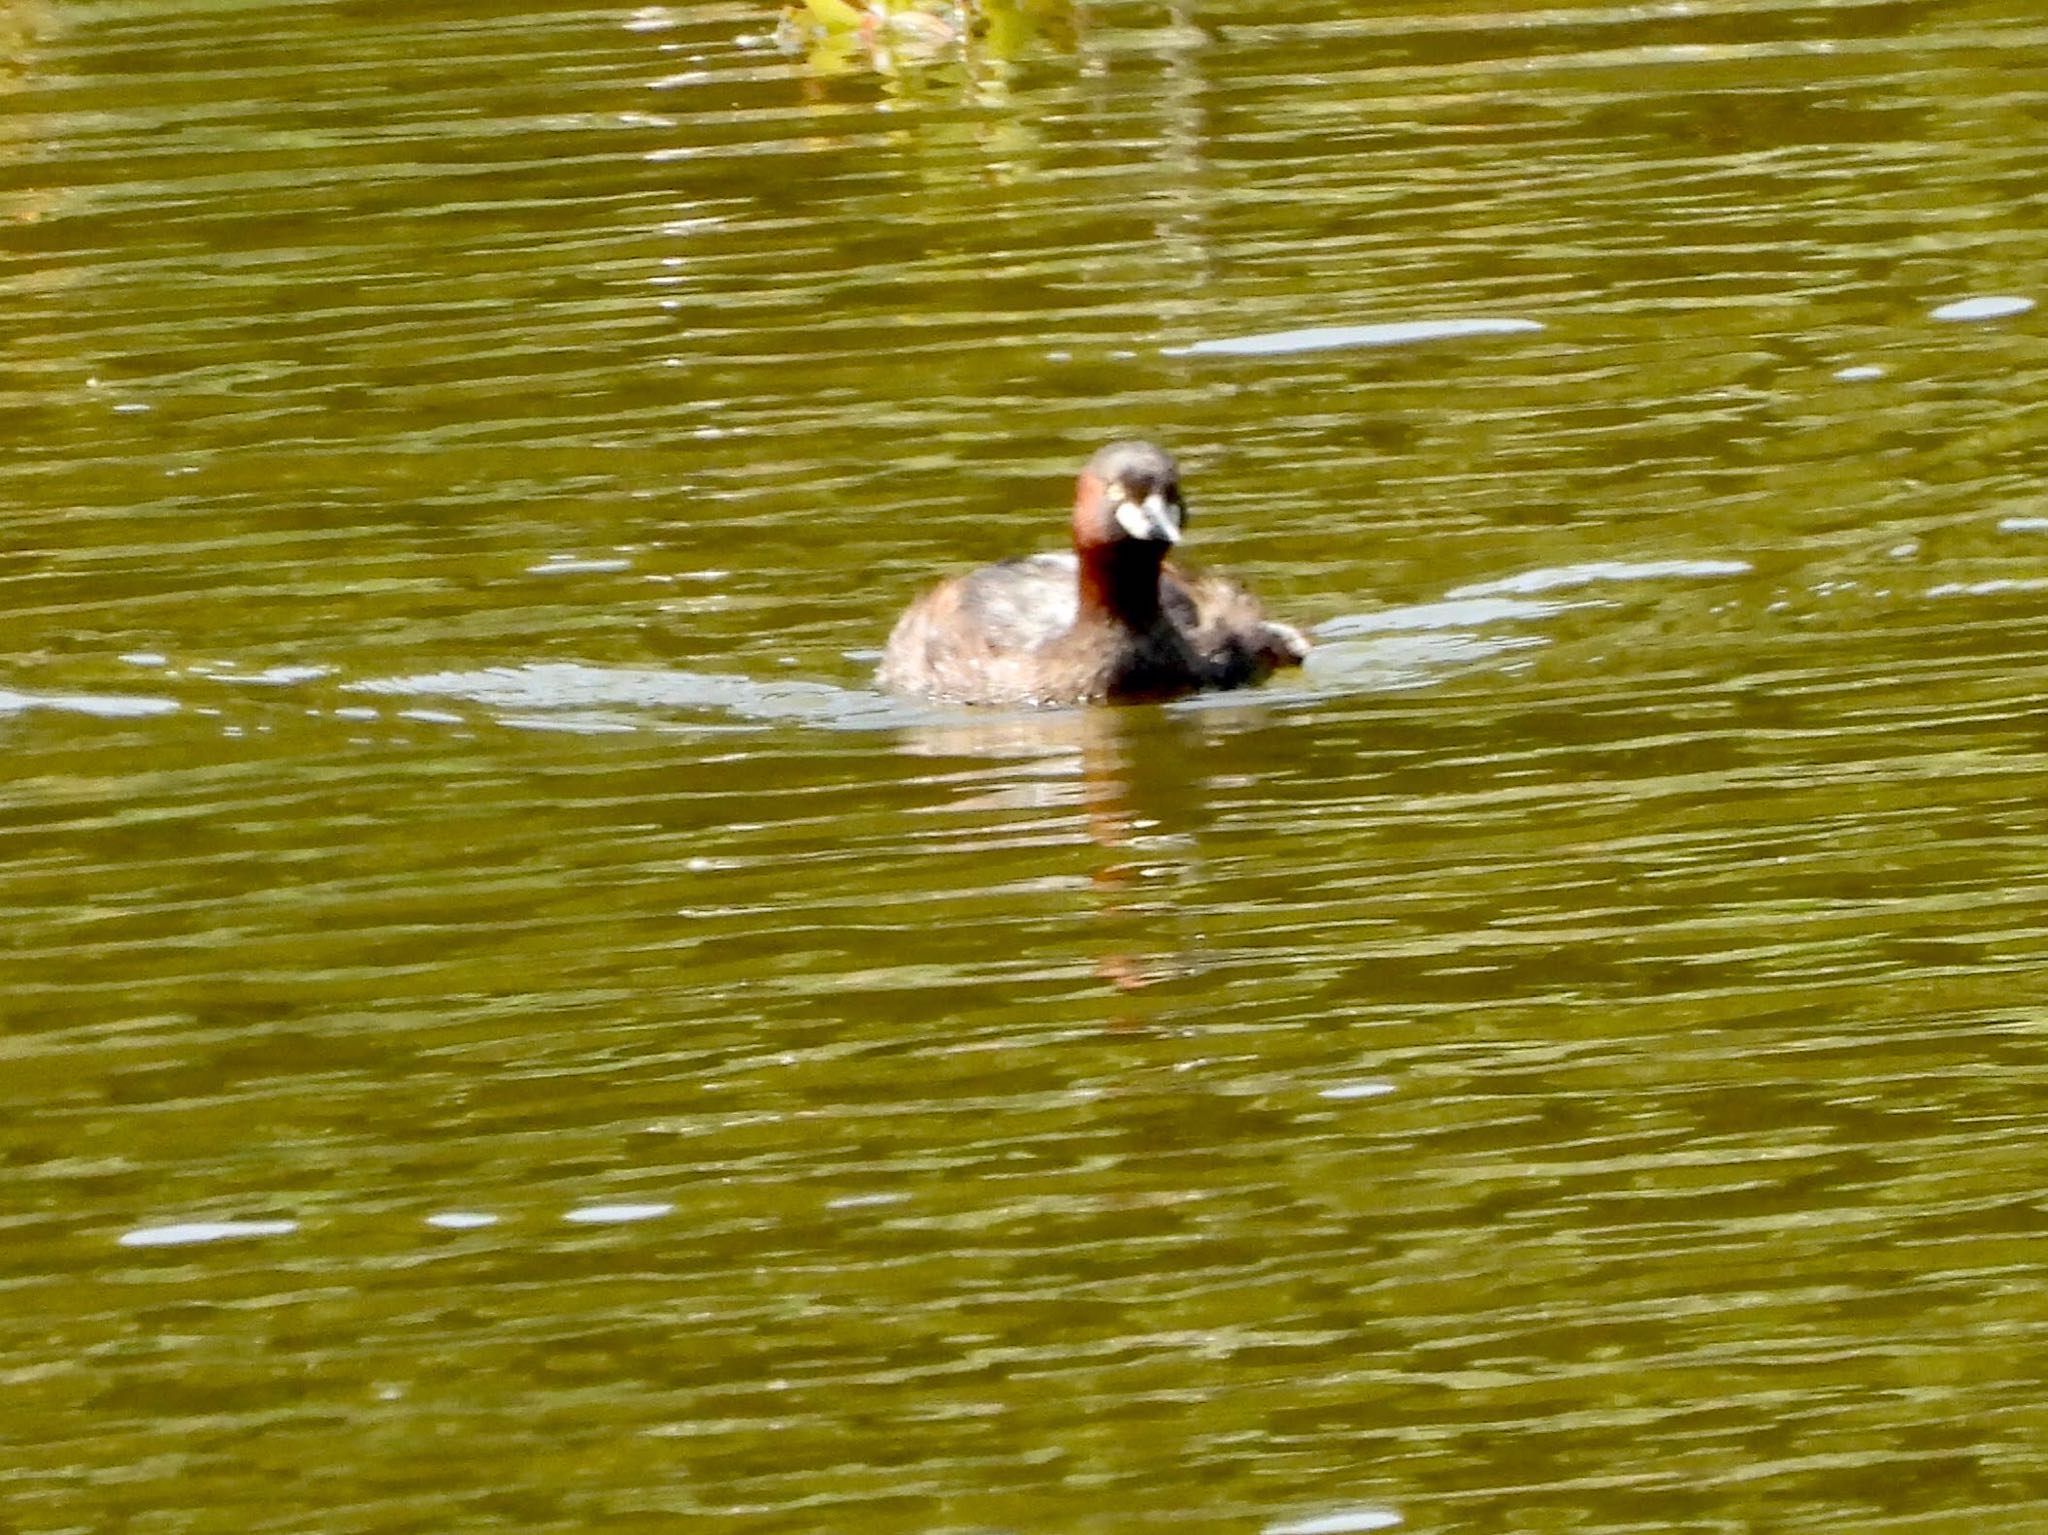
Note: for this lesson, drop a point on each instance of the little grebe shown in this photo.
(1113, 621)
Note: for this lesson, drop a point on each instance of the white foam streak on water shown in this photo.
(570, 686)
(461, 1220)
(613, 1215)
(1343, 1522)
(1990, 307)
(1560, 577)
(1996, 586)
(192, 1233)
(102, 706)
(1402, 660)
(1466, 613)
(1323, 338)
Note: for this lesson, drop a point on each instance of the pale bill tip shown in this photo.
(1149, 520)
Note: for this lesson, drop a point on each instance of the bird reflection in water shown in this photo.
(1132, 776)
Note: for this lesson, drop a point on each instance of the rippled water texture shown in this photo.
(505, 1029)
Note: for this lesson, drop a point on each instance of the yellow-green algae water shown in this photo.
(505, 1030)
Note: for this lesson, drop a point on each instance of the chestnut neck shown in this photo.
(1118, 576)
(1119, 582)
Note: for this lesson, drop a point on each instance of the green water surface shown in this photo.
(505, 1030)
